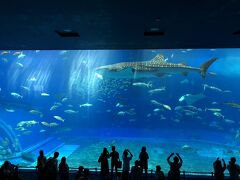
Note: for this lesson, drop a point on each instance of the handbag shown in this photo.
(119, 164)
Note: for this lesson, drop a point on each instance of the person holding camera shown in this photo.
(127, 157)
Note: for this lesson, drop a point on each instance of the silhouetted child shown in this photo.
(103, 159)
(86, 174)
(233, 169)
(41, 162)
(143, 157)
(136, 171)
(51, 167)
(80, 174)
(159, 174)
(219, 169)
(174, 173)
(63, 169)
(126, 164)
(114, 159)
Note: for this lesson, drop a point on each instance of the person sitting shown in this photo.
(233, 169)
(219, 169)
(143, 157)
(114, 159)
(126, 163)
(174, 173)
(80, 173)
(159, 174)
(136, 171)
(103, 159)
(63, 169)
(41, 162)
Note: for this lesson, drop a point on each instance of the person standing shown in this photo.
(143, 157)
(174, 173)
(233, 169)
(63, 169)
(41, 162)
(103, 159)
(114, 160)
(219, 169)
(126, 164)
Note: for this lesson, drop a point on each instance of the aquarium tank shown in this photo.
(77, 102)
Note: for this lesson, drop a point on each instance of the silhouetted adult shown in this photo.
(114, 159)
(7, 171)
(86, 174)
(63, 169)
(136, 171)
(174, 173)
(159, 173)
(103, 159)
(143, 158)
(219, 169)
(233, 169)
(41, 162)
(126, 164)
(51, 167)
(80, 173)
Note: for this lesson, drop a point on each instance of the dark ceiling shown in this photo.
(119, 24)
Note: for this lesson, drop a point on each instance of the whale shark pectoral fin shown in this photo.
(204, 67)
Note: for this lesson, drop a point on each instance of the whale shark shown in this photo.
(156, 67)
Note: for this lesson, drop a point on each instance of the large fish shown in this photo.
(156, 67)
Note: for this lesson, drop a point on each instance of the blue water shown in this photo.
(71, 75)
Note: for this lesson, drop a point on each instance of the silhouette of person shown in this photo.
(233, 169)
(219, 169)
(174, 173)
(103, 159)
(86, 174)
(136, 171)
(63, 169)
(80, 173)
(41, 162)
(114, 159)
(159, 174)
(51, 167)
(143, 157)
(7, 171)
(126, 164)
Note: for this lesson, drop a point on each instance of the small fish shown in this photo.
(54, 107)
(53, 124)
(25, 88)
(218, 114)
(45, 123)
(120, 105)
(17, 53)
(70, 111)
(64, 99)
(154, 102)
(144, 85)
(167, 107)
(37, 51)
(86, 105)
(229, 121)
(156, 91)
(36, 112)
(19, 64)
(5, 60)
(149, 115)
(206, 86)
(21, 55)
(59, 118)
(10, 110)
(27, 123)
(45, 94)
(16, 95)
(156, 110)
(213, 109)
(33, 79)
(42, 130)
(5, 52)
